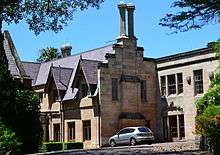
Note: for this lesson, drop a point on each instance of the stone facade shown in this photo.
(183, 104)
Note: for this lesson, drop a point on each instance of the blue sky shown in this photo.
(95, 28)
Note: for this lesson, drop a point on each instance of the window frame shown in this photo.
(71, 131)
(86, 130)
(56, 133)
(179, 83)
(171, 84)
(163, 85)
(198, 82)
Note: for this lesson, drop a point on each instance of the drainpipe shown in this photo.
(62, 123)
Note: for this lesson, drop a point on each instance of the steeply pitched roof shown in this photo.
(31, 69)
(71, 62)
(89, 68)
(61, 77)
(16, 68)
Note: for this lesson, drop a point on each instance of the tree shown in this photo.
(208, 106)
(48, 54)
(194, 14)
(40, 15)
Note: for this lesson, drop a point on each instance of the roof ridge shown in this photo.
(61, 67)
(31, 62)
(77, 54)
(14, 53)
(91, 60)
(183, 53)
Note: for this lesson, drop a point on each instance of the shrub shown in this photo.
(9, 143)
(52, 146)
(73, 145)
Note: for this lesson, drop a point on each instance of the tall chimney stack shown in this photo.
(122, 9)
(66, 50)
(131, 8)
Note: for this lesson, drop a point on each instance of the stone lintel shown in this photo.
(129, 78)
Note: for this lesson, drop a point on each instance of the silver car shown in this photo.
(132, 136)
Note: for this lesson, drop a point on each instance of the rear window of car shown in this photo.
(143, 130)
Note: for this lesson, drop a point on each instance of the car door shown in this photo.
(125, 137)
(120, 134)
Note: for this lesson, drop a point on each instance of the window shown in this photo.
(143, 130)
(114, 89)
(87, 130)
(198, 82)
(171, 84)
(143, 91)
(84, 90)
(56, 132)
(125, 131)
(71, 131)
(180, 83)
(163, 85)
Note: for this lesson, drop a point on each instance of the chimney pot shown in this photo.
(131, 8)
(66, 50)
(122, 9)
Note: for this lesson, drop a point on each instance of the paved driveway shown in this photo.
(171, 148)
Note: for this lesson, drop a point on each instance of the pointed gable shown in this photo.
(61, 77)
(89, 68)
(14, 63)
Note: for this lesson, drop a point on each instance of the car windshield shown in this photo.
(143, 130)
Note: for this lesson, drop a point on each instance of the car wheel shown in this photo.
(133, 142)
(112, 143)
(149, 143)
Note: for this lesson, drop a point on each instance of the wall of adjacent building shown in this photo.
(187, 99)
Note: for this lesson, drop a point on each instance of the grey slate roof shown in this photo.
(90, 68)
(31, 69)
(14, 63)
(71, 62)
(61, 77)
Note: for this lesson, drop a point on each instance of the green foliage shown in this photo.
(194, 14)
(208, 106)
(52, 146)
(27, 123)
(9, 143)
(56, 146)
(211, 97)
(21, 113)
(73, 145)
(208, 124)
(42, 15)
(48, 54)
